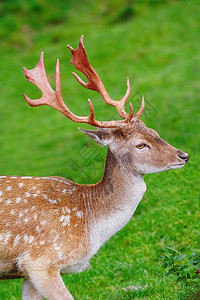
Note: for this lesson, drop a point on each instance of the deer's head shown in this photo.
(138, 148)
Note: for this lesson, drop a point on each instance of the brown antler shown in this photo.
(54, 98)
(81, 63)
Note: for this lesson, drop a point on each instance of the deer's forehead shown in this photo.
(147, 134)
(140, 132)
(140, 129)
(135, 131)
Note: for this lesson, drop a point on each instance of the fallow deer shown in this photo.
(51, 225)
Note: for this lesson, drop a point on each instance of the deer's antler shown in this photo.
(81, 63)
(54, 98)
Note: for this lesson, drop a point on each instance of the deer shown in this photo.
(51, 226)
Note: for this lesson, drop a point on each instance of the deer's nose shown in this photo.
(184, 156)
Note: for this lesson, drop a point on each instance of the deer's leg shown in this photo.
(50, 284)
(29, 292)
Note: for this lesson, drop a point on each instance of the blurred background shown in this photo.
(157, 45)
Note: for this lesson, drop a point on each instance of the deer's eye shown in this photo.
(140, 146)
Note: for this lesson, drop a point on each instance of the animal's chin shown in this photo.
(153, 170)
(177, 166)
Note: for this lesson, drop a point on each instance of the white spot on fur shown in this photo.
(21, 184)
(31, 239)
(12, 212)
(43, 222)
(26, 220)
(55, 179)
(1, 193)
(8, 201)
(27, 194)
(1, 199)
(35, 217)
(18, 200)
(52, 201)
(6, 237)
(66, 210)
(79, 214)
(56, 247)
(28, 239)
(21, 214)
(42, 242)
(70, 192)
(65, 220)
(67, 183)
(57, 236)
(9, 188)
(64, 191)
(38, 229)
(17, 238)
(74, 209)
(60, 255)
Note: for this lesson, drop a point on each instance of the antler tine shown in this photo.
(81, 63)
(140, 111)
(38, 77)
(131, 115)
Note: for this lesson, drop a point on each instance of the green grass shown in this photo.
(157, 46)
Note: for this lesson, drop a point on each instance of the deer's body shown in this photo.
(73, 221)
(50, 225)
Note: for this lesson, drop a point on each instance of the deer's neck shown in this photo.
(117, 196)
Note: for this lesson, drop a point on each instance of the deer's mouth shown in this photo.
(177, 166)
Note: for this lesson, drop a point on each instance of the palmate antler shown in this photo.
(54, 98)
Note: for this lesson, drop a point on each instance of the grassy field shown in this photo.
(156, 44)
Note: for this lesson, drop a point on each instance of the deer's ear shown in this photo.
(101, 136)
